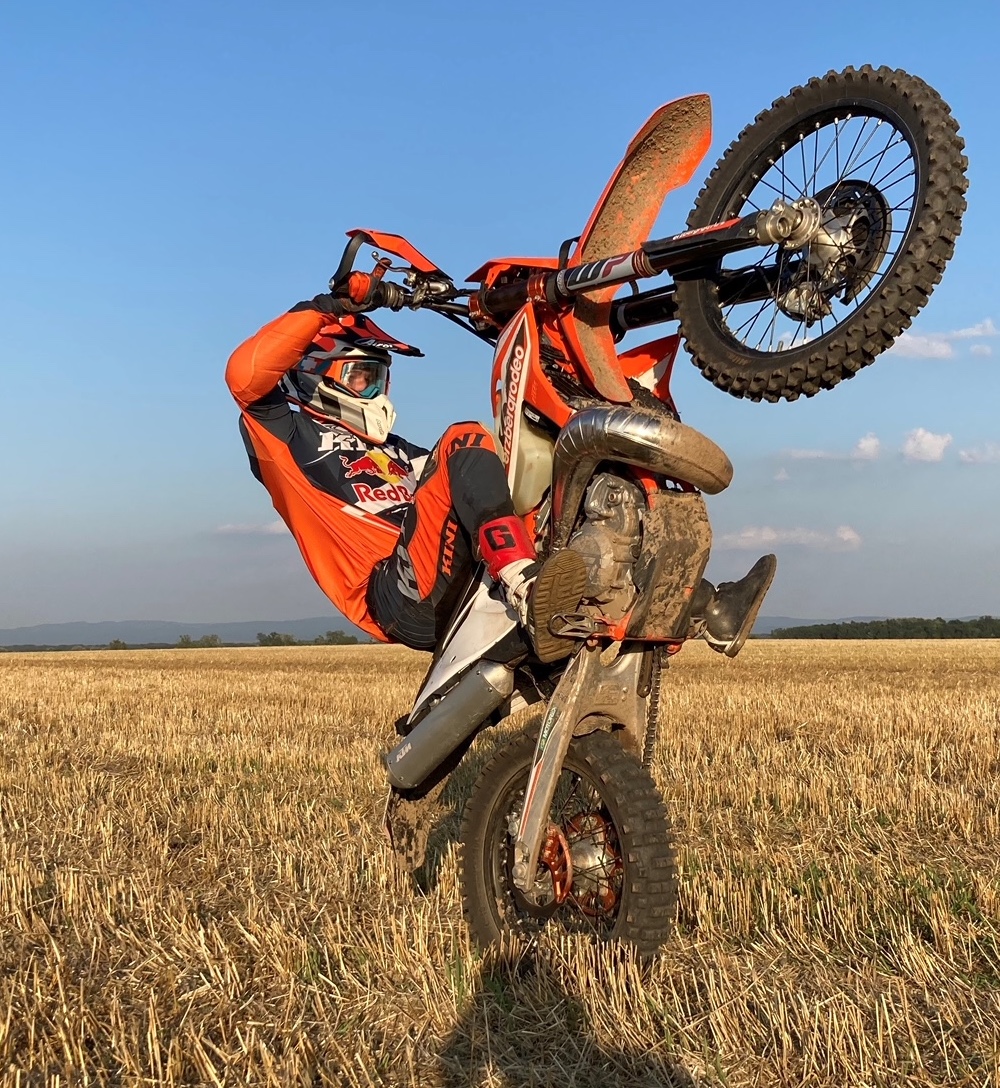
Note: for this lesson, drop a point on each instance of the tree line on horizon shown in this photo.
(272, 638)
(906, 627)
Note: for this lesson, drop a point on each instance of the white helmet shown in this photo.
(344, 377)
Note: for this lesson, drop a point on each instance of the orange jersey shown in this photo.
(342, 498)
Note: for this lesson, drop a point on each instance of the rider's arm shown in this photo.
(257, 366)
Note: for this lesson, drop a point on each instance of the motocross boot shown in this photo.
(536, 592)
(729, 610)
(539, 593)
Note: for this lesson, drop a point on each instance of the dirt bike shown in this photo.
(815, 240)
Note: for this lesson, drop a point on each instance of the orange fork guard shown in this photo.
(663, 156)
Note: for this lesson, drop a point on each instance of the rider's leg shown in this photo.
(462, 503)
(726, 613)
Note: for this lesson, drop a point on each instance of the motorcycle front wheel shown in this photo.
(607, 866)
(875, 159)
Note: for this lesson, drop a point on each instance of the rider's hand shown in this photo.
(367, 292)
(350, 297)
(360, 288)
(325, 304)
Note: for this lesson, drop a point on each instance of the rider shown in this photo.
(393, 554)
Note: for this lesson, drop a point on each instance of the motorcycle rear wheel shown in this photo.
(880, 153)
(612, 824)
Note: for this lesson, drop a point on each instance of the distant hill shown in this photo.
(134, 632)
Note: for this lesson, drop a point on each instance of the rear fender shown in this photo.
(481, 623)
(663, 156)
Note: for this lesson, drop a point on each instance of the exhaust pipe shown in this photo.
(453, 720)
(635, 436)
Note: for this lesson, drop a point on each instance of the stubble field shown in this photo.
(194, 887)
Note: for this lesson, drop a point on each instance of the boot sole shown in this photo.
(558, 588)
(744, 632)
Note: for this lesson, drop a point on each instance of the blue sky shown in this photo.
(177, 174)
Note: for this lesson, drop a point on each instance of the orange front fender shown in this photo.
(663, 155)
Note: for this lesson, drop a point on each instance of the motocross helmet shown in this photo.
(344, 377)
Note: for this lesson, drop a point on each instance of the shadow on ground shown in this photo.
(520, 1027)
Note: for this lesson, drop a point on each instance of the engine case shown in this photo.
(609, 542)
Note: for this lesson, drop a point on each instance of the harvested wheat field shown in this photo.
(194, 886)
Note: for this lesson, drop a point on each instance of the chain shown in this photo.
(653, 712)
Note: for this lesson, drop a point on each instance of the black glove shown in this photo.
(359, 293)
(326, 304)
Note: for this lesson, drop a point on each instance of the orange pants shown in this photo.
(414, 592)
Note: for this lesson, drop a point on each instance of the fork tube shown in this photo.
(553, 742)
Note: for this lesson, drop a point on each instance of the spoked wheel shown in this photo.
(606, 867)
(873, 160)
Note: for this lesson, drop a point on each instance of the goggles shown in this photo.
(366, 378)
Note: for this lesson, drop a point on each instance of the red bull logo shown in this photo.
(360, 466)
(375, 463)
(397, 493)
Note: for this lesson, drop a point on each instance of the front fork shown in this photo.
(556, 732)
(605, 684)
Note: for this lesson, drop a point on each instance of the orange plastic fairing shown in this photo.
(652, 364)
(488, 272)
(663, 155)
(398, 246)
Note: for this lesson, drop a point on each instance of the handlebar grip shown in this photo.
(391, 295)
(504, 300)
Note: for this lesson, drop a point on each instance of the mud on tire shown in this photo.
(905, 279)
(646, 904)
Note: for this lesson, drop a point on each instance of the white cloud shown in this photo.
(757, 537)
(987, 454)
(913, 346)
(782, 475)
(812, 455)
(271, 528)
(849, 537)
(938, 345)
(922, 445)
(865, 449)
(984, 328)
(868, 448)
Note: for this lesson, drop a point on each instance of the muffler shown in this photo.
(637, 436)
(453, 720)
